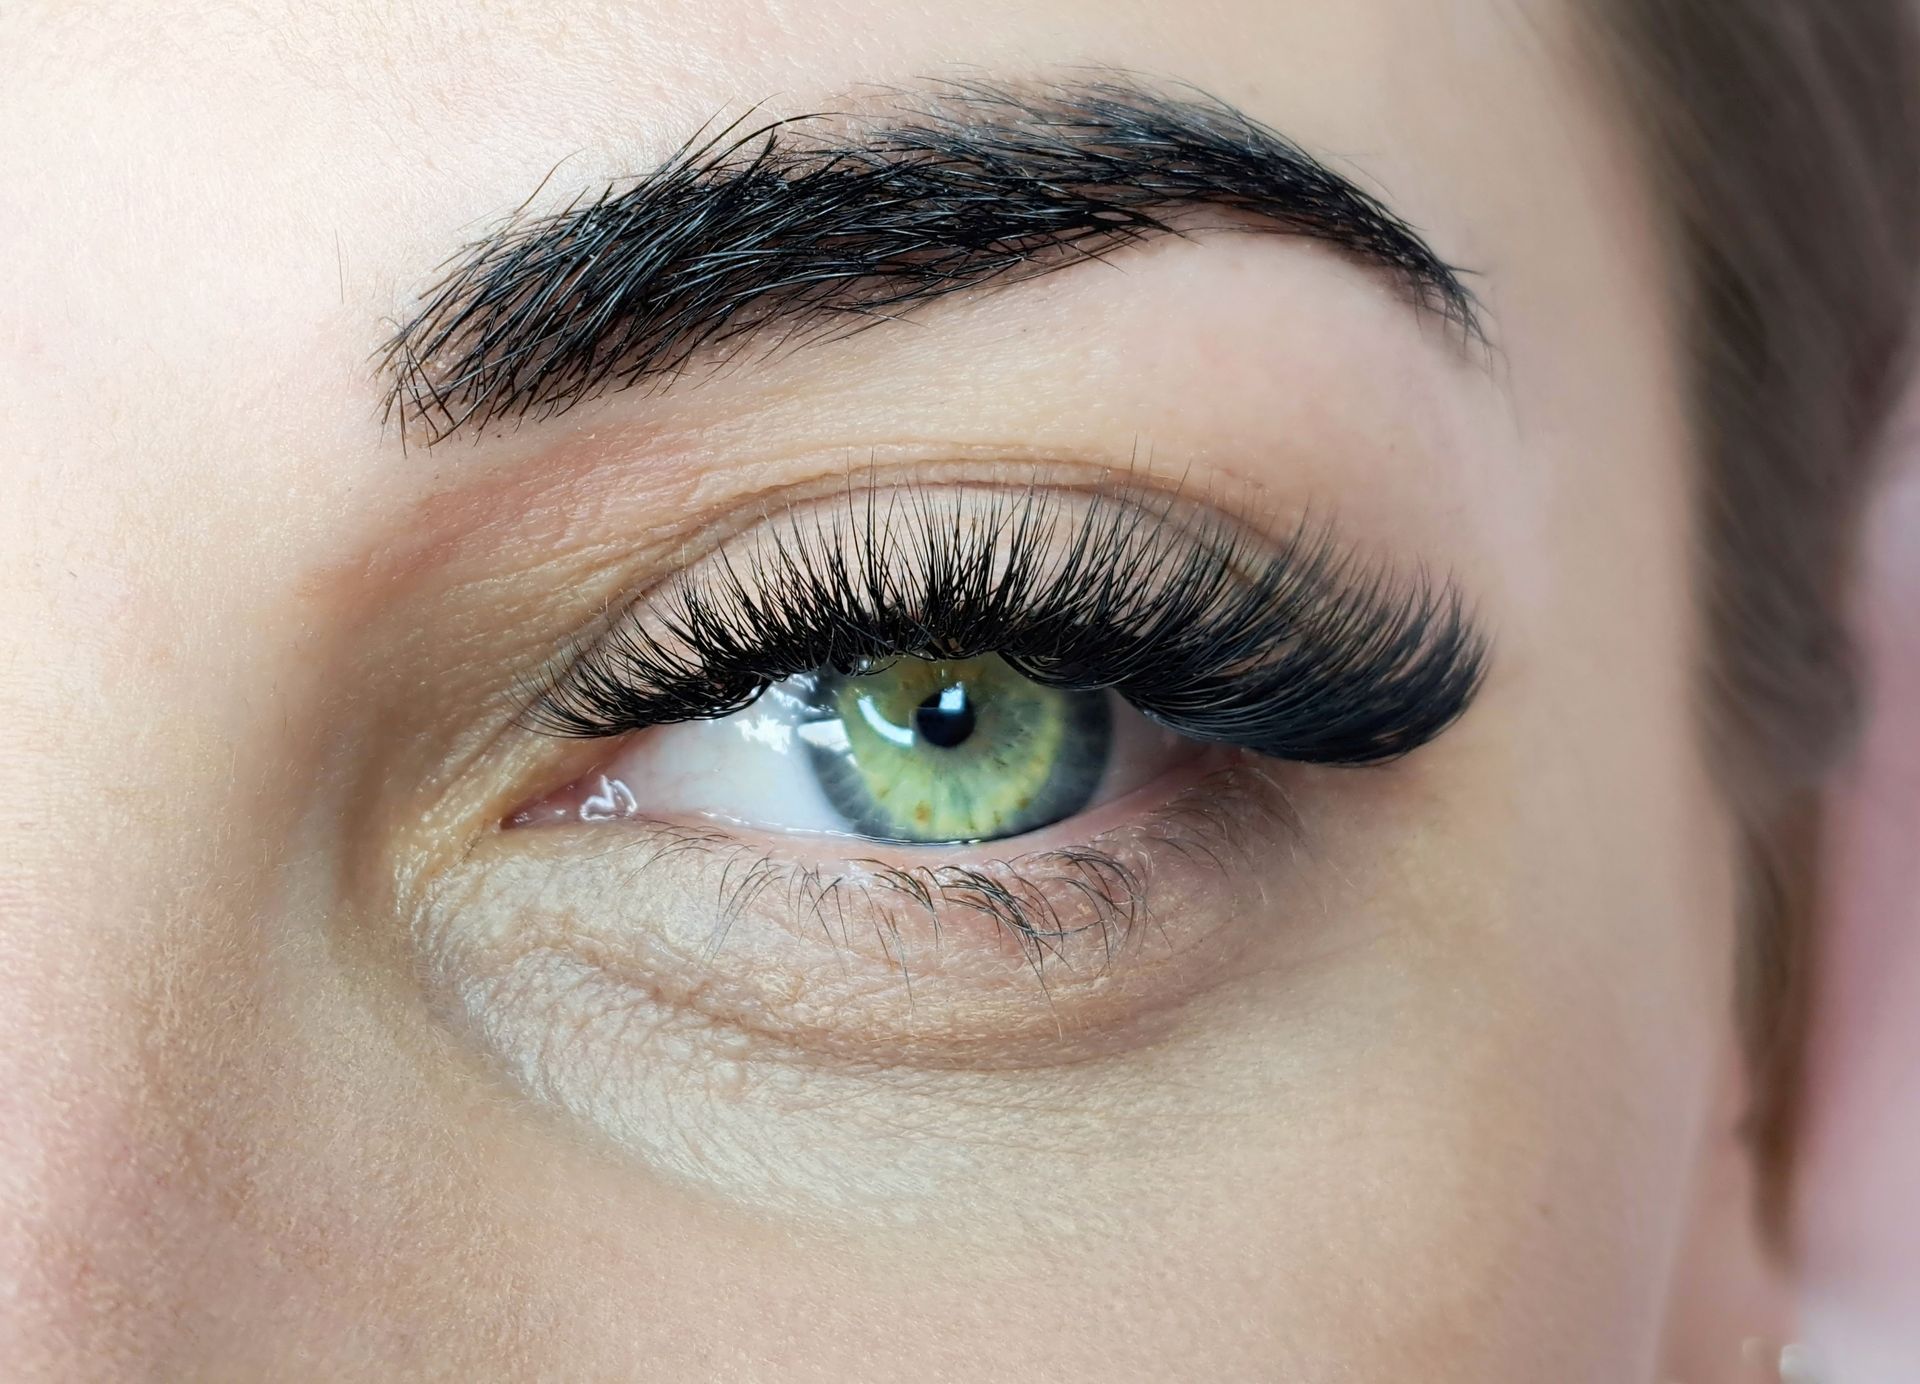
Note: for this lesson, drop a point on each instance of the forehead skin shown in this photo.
(228, 1147)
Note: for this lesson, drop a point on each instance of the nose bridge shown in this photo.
(132, 1053)
(124, 999)
(125, 980)
(89, 1159)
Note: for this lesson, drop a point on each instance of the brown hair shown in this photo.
(1785, 137)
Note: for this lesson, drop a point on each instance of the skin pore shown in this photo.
(311, 1069)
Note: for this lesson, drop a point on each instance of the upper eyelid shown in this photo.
(1400, 661)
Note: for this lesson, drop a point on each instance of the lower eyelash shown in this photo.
(1063, 906)
(1102, 900)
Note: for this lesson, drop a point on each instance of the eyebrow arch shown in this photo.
(815, 227)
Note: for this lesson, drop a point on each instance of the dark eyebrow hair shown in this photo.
(819, 227)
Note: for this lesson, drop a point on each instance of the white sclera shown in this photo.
(753, 768)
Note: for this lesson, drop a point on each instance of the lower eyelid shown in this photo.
(949, 956)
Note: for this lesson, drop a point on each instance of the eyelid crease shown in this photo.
(1300, 653)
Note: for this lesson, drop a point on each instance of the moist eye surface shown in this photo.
(952, 751)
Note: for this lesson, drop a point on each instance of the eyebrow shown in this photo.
(816, 227)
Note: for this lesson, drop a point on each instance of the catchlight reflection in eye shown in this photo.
(962, 751)
(915, 751)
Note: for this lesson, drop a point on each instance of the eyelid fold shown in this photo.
(1298, 651)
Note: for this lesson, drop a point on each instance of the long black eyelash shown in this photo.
(1302, 654)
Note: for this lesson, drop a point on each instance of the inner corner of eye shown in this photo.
(914, 751)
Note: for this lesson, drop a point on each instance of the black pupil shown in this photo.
(946, 718)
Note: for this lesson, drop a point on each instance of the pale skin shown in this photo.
(1450, 1092)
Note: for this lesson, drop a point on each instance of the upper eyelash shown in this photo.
(1301, 654)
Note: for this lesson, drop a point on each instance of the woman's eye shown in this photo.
(915, 751)
(792, 810)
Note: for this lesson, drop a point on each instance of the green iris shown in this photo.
(955, 751)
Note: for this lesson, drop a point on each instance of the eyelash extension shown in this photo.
(1301, 654)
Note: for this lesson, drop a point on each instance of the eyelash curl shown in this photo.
(1302, 653)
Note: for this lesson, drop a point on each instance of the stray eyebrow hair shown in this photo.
(812, 227)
